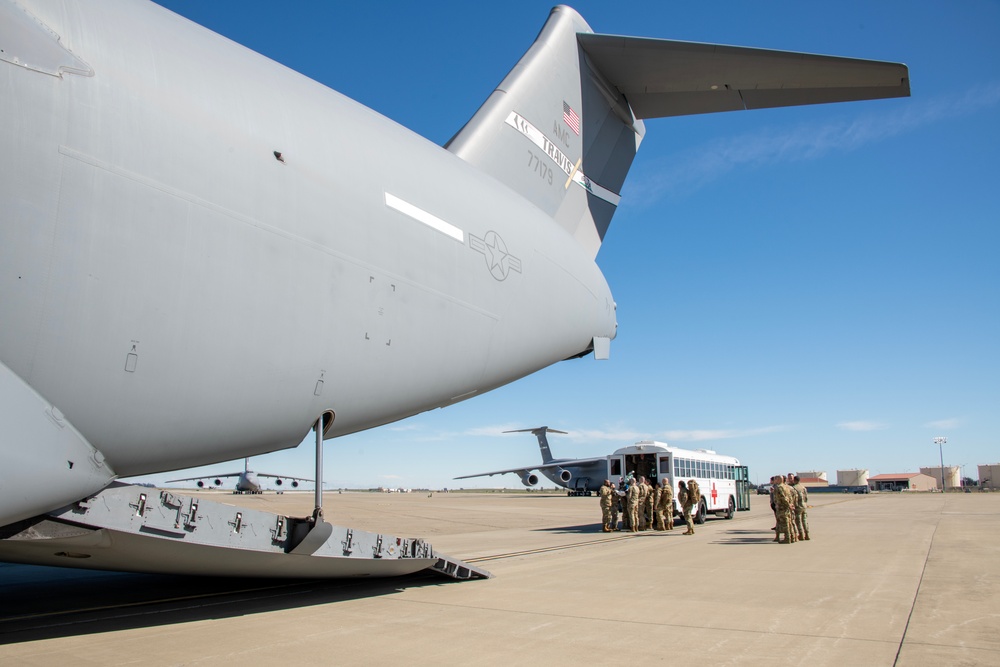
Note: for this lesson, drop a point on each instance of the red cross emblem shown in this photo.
(715, 494)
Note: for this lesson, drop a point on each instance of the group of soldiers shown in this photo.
(789, 498)
(645, 506)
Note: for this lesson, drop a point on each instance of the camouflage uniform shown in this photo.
(794, 498)
(632, 504)
(784, 503)
(607, 496)
(684, 496)
(648, 505)
(616, 500)
(641, 509)
(800, 518)
(667, 505)
(657, 514)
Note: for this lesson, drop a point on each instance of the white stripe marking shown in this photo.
(537, 137)
(420, 215)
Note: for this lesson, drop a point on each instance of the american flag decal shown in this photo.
(570, 118)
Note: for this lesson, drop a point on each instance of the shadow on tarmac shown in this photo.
(583, 528)
(745, 537)
(48, 602)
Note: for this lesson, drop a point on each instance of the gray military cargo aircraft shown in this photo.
(247, 481)
(581, 477)
(205, 255)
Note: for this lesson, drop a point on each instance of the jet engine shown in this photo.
(201, 484)
(295, 484)
(279, 481)
(564, 475)
(529, 479)
(218, 482)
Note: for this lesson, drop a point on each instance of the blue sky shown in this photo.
(811, 288)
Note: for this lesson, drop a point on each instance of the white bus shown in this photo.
(724, 483)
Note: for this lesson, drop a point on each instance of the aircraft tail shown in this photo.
(557, 132)
(543, 441)
(564, 125)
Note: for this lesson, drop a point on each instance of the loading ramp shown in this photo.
(139, 529)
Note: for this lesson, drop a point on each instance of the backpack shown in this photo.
(694, 492)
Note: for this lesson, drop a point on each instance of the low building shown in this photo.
(952, 478)
(904, 481)
(989, 476)
(855, 477)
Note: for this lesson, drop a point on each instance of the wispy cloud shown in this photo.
(953, 422)
(493, 430)
(696, 167)
(626, 435)
(618, 434)
(699, 435)
(863, 425)
(623, 434)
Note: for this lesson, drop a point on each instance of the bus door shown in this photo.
(742, 477)
(615, 468)
(663, 467)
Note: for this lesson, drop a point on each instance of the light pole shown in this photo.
(940, 442)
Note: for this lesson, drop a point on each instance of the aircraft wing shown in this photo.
(297, 479)
(662, 78)
(209, 476)
(543, 466)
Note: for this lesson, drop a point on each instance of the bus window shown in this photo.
(616, 467)
(665, 465)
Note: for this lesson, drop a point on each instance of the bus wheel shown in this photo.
(732, 508)
(702, 511)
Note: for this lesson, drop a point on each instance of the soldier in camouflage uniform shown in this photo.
(800, 518)
(616, 500)
(783, 503)
(632, 504)
(684, 496)
(641, 510)
(649, 505)
(667, 505)
(657, 516)
(607, 497)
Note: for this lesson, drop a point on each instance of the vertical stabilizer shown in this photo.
(557, 132)
(543, 441)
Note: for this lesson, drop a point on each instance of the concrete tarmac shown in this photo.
(886, 580)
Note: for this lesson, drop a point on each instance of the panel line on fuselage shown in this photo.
(271, 229)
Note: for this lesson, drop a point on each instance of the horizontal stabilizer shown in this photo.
(563, 127)
(662, 77)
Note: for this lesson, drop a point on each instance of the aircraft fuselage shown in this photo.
(197, 262)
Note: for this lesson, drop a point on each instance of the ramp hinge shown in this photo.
(349, 542)
(140, 506)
